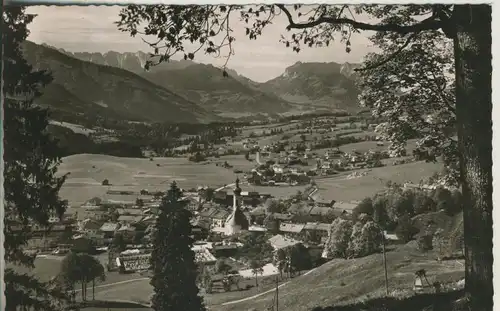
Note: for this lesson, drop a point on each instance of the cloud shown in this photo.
(92, 29)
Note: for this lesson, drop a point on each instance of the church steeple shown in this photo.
(237, 189)
(236, 221)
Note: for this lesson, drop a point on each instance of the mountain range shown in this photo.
(85, 87)
(117, 85)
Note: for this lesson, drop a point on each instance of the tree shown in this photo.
(69, 273)
(423, 203)
(257, 269)
(222, 267)
(405, 230)
(416, 101)
(31, 157)
(105, 182)
(467, 26)
(255, 247)
(364, 207)
(424, 242)
(300, 258)
(280, 261)
(118, 243)
(338, 238)
(445, 201)
(172, 259)
(272, 206)
(96, 273)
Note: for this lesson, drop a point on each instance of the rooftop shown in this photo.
(279, 242)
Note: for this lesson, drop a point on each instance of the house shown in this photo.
(216, 216)
(200, 228)
(300, 209)
(130, 211)
(202, 256)
(257, 229)
(128, 219)
(282, 217)
(281, 242)
(317, 231)
(319, 212)
(289, 229)
(224, 250)
(278, 169)
(345, 206)
(127, 231)
(90, 226)
(108, 229)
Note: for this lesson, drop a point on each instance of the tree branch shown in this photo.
(390, 57)
(430, 23)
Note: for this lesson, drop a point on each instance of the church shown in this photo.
(236, 222)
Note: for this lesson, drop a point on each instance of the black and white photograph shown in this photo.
(246, 156)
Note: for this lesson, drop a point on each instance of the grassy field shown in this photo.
(48, 267)
(88, 171)
(341, 189)
(350, 281)
(336, 282)
(140, 290)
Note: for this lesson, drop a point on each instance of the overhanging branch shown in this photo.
(430, 23)
(390, 57)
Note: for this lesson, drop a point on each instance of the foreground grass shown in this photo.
(342, 282)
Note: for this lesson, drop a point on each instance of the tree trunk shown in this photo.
(472, 45)
(93, 289)
(83, 291)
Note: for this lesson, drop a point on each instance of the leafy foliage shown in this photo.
(172, 259)
(338, 238)
(414, 92)
(255, 247)
(405, 230)
(80, 268)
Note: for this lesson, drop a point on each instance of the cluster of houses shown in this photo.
(98, 222)
(292, 167)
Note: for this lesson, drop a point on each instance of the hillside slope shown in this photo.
(88, 88)
(322, 85)
(200, 83)
(350, 281)
(206, 85)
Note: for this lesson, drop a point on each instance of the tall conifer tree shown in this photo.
(31, 157)
(173, 260)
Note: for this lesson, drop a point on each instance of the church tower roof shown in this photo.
(237, 218)
(237, 189)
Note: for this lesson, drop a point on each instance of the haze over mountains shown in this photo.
(186, 91)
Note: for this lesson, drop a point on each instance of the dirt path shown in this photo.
(254, 296)
(115, 283)
(263, 293)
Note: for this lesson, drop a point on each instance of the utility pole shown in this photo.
(277, 287)
(385, 265)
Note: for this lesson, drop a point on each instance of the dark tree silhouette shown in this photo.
(173, 261)
(31, 157)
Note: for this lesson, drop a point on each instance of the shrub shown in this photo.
(405, 230)
(364, 207)
(425, 242)
(105, 182)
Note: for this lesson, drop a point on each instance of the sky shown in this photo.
(92, 29)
